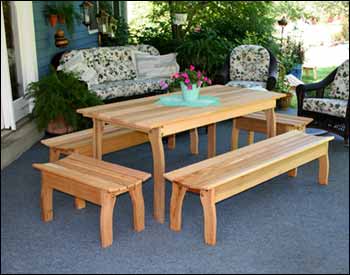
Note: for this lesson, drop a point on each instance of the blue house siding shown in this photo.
(45, 36)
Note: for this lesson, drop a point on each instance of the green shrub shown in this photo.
(205, 50)
(61, 94)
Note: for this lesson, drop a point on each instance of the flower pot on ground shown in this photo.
(285, 102)
(59, 126)
(56, 98)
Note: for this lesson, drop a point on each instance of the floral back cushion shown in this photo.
(147, 49)
(249, 63)
(340, 85)
(110, 63)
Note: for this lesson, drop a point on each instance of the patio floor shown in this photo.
(287, 225)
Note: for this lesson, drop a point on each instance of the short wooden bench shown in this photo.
(224, 176)
(114, 139)
(96, 181)
(256, 122)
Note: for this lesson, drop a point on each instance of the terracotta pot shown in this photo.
(59, 127)
(285, 102)
(53, 20)
(61, 19)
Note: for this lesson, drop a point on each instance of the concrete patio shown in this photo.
(287, 225)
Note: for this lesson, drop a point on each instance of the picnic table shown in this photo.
(158, 121)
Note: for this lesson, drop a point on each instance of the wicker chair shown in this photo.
(331, 112)
(249, 66)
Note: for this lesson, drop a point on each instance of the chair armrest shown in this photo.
(273, 73)
(223, 75)
(303, 89)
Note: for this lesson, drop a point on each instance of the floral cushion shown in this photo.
(249, 62)
(124, 88)
(334, 107)
(248, 84)
(110, 63)
(340, 85)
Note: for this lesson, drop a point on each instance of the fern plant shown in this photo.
(60, 94)
(204, 49)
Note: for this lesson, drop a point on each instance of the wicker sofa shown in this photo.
(110, 72)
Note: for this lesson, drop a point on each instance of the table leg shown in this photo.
(155, 138)
(194, 142)
(97, 138)
(271, 122)
(211, 140)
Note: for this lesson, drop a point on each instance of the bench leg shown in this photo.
(79, 203)
(177, 198)
(293, 173)
(211, 140)
(106, 219)
(172, 142)
(235, 136)
(138, 205)
(209, 210)
(46, 202)
(54, 155)
(323, 170)
(250, 137)
(194, 141)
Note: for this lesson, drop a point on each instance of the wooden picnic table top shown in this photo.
(145, 114)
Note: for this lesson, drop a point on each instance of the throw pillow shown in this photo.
(155, 66)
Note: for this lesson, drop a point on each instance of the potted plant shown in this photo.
(292, 57)
(57, 97)
(282, 86)
(190, 82)
(51, 13)
(64, 13)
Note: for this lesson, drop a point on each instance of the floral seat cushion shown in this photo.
(124, 88)
(258, 85)
(249, 63)
(340, 85)
(329, 106)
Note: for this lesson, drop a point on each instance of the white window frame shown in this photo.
(26, 59)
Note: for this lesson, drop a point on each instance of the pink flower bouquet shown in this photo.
(190, 82)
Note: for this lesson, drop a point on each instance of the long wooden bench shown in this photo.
(257, 123)
(224, 176)
(96, 181)
(114, 139)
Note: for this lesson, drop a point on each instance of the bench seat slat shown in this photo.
(242, 162)
(92, 181)
(282, 119)
(111, 167)
(254, 148)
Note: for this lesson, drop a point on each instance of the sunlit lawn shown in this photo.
(321, 74)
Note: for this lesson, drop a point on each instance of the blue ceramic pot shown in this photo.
(297, 71)
(190, 95)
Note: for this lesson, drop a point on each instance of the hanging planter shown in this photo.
(53, 20)
(61, 19)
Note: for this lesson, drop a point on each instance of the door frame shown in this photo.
(26, 59)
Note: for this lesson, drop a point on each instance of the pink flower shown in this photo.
(199, 74)
(185, 75)
(209, 81)
(176, 75)
(192, 68)
(189, 87)
(187, 81)
(199, 83)
(205, 79)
